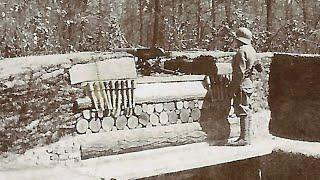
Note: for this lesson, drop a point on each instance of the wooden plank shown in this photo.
(167, 79)
(169, 92)
(111, 69)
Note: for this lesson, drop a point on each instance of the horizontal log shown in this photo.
(121, 122)
(95, 125)
(109, 143)
(86, 114)
(133, 122)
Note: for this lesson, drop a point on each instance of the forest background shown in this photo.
(37, 27)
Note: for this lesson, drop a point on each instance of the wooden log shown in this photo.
(100, 114)
(107, 123)
(133, 122)
(196, 114)
(144, 119)
(95, 125)
(158, 107)
(186, 104)
(200, 103)
(110, 143)
(184, 115)
(82, 125)
(138, 110)
(164, 118)
(154, 119)
(179, 104)
(144, 107)
(191, 104)
(150, 109)
(121, 122)
(173, 117)
(86, 114)
(83, 103)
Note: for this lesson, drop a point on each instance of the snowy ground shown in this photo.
(150, 162)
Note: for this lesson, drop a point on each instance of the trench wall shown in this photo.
(295, 96)
(36, 97)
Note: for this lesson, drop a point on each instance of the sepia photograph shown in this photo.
(160, 89)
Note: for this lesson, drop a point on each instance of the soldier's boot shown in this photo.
(244, 138)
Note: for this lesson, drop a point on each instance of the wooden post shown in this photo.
(133, 122)
(82, 126)
(121, 122)
(107, 123)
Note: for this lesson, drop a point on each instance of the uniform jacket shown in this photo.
(242, 67)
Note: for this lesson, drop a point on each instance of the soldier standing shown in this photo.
(241, 87)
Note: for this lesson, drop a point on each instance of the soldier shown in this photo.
(241, 86)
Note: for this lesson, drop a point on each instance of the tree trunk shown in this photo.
(140, 139)
(227, 8)
(141, 21)
(269, 4)
(156, 22)
(198, 22)
(213, 13)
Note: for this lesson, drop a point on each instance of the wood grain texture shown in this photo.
(139, 139)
